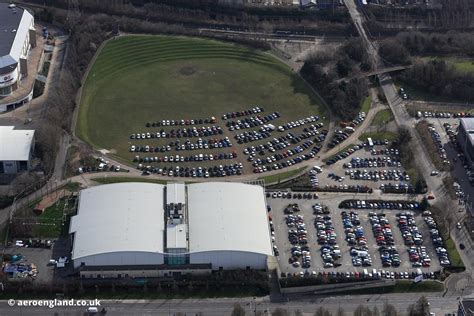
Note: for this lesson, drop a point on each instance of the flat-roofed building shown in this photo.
(16, 149)
(223, 226)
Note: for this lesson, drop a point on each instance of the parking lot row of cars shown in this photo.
(439, 144)
(199, 172)
(283, 142)
(209, 120)
(349, 128)
(254, 110)
(438, 242)
(384, 237)
(397, 187)
(203, 131)
(298, 237)
(252, 136)
(377, 204)
(179, 133)
(181, 158)
(356, 239)
(187, 145)
(346, 153)
(297, 123)
(252, 121)
(444, 114)
(277, 157)
(378, 175)
(290, 162)
(357, 162)
(373, 274)
(413, 238)
(326, 237)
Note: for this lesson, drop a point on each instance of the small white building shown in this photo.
(145, 229)
(16, 149)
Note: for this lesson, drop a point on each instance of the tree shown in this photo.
(340, 312)
(238, 310)
(280, 312)
(343, 67)
(392, 52)
(420, 308)
(321, 311)
(389, 310)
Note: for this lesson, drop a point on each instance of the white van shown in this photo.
(318, 169)
(92, 310)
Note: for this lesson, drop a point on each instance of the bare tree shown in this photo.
(238, 310)
(389, 310)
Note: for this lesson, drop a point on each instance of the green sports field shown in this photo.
(140, 79)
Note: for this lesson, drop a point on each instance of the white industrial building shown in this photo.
(17, 37)
(145, 229)
(16, 149)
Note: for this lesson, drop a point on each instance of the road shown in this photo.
(308, 305)
(402, 119)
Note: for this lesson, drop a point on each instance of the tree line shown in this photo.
(323, 70)
(203, 14)
(419, 308)
(444, 14)
(440, 78)
(399, 49)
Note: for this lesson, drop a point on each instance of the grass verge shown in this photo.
(382, 118)
(401, 286)
(422, 129)
(366, 103)
(110, 180)
(281, 176)
(453, 253)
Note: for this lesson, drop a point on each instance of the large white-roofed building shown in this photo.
(119, 224)
(16, 148)
(17, 37)
(145, 229)
(228, 225)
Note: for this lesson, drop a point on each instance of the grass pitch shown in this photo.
(140, 79)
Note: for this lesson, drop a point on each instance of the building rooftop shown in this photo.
(228, 216)
(119, 217)
(14, 25)
(468, 124)
(468, 306)
(176, 236)
(175, 193)
(15, 144)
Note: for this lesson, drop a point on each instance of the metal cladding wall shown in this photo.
(120, 258)
(228, 260)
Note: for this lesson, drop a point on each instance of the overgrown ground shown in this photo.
(140, 79)
(382, 117)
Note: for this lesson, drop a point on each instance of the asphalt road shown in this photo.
(308, 305)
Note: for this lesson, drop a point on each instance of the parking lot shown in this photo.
(37, 256)
(332, 216)
(235, 143)
(375, 166)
